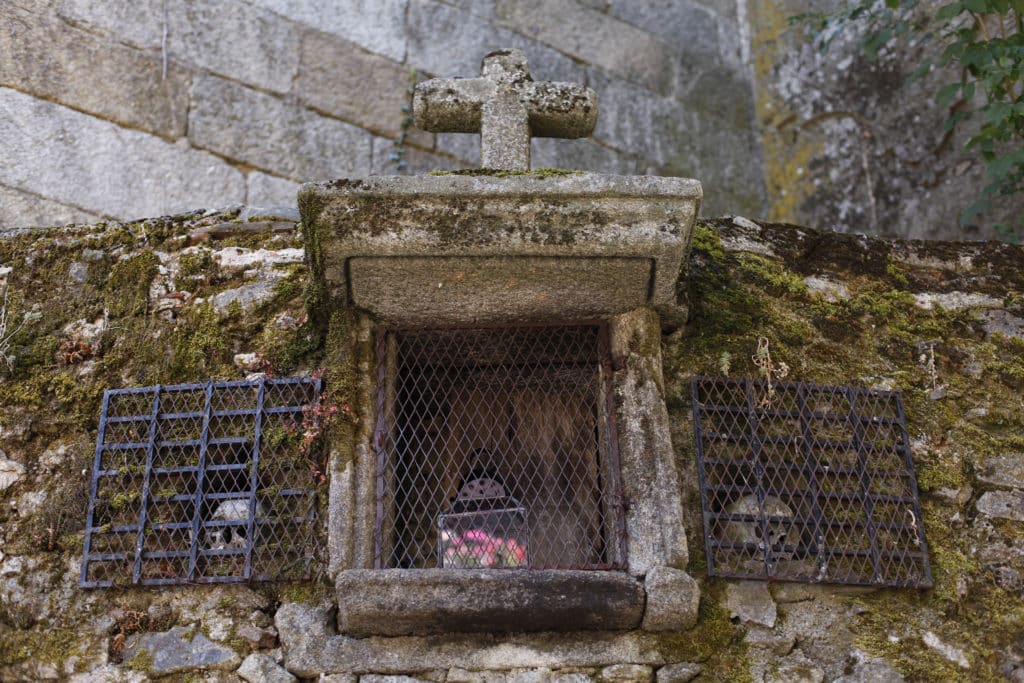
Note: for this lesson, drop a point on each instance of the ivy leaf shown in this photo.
(949, 11)
(946, 94)
(977, 208)
(875, 41)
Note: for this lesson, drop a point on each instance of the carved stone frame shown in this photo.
(465, 249)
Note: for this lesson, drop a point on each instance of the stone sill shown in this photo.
(398, 602)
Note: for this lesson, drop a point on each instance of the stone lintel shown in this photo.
(396, 602)
(453, 249)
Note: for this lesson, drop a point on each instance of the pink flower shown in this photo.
(476, 536)
(477, 548)
(517, 552)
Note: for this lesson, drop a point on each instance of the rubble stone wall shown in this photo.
(191, 297)
(851, 144)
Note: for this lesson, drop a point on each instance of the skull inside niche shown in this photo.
(233, 535)
(779, 533)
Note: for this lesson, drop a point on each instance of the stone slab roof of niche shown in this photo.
(503, 243)
(478, 248)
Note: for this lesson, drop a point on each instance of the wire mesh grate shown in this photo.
(203, 483)
(496, 448)
(801, 482)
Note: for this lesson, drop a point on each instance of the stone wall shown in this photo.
(849, 145)
(191, 297)
(122, 109)
(131, 108)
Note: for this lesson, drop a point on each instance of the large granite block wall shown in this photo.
(105, 116)
(127, 108)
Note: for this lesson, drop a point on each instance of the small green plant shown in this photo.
(768, 368)
(7, 334)
(167, 492)
(725, 362)
(121, 502)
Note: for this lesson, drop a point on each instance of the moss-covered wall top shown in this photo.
(222, 295)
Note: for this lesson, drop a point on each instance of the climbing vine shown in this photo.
(984, 41)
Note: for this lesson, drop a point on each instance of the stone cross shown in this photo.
(507, 107)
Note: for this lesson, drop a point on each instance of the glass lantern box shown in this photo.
(483, 528)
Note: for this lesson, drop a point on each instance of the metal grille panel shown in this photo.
(801, 482)
(204, 483)
(496, 448)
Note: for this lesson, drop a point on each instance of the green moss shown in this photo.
(713, 636)
(876, 300)
(304, 592)
(940, 473)
(897, 274)
(707, 242)
(127, 288)
(123, 501)
(42, 645)
(196, 269)
(198, 347)
(80, 400)
(42, 351)
(1009, 362)
(141, 661)
(773, 276)
(342, 373)
(495, 173)
(314, 233)
(984, 625)
(290, 288)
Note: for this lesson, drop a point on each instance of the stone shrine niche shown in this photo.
(497, 449)
(512, 468)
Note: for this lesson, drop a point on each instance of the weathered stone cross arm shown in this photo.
(507, 107)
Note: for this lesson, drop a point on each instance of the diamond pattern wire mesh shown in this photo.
(801, 482)
(202, 483)
(496, 448)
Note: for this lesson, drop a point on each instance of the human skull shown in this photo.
(230, 537)
(779, 533)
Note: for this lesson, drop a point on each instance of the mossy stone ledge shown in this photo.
(499, 248)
